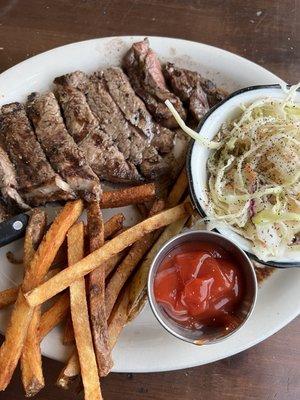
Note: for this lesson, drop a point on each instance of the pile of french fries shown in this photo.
(98, 275)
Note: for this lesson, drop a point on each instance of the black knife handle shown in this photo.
(13, 229)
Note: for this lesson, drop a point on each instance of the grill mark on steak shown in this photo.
(187, 85)
(37, 182)
(135, 111)
(145, 74)
(63, 153)
(100, 152)
(193, 89)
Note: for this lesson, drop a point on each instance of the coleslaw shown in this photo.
(254, 175)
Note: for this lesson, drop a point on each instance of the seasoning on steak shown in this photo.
(127, 103)
(135, 111)
(214, 94)
(145, 74)
(37, 182)
(63, 153)
(193, 89)
(98, 147)
(8, 182)
(187, 86)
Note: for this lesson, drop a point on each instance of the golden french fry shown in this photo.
(69, 372)
(113, 225)
(31, 357)
(66, 277)
(125, 269)
(16, 332)
(118, 318)
(54, 315)
(8, 296)
(80, 318)
(96, 285)
(68, 334)
(127, 196)
(178, 189)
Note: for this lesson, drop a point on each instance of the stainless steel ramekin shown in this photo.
(250, 291)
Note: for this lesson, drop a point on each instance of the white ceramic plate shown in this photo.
(144, 345)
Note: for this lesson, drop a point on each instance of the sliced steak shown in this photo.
(214, 94)
(199, 93)
(112, 121)
(144, 70)
(135, 111)
(187, 86)
(100, 152)
(37, 181)
(63, 153)
(8, 182)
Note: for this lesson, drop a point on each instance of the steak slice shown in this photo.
(144, 70)
(8, 182)
(112, 121)
(37, 182)
(100, 152)
(187, 86)
(193, 89)
(63, 153)
(135, 111)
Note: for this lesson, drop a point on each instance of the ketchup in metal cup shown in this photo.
(199, 286)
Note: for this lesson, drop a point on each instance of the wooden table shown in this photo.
(266, 32)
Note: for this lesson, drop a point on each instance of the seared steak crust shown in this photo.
(193, 89)
(63, 153)
(187, 85)
(98, 147)
(144, 70)
(37, 181)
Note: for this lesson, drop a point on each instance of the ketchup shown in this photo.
(199, 285)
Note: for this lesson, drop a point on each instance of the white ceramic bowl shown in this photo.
(197, 158)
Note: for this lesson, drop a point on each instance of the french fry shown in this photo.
(80, 317)
(16, 332)
(178, 189)
(118, 318)
(68, 334)
(110, 264)
(134, 256)
(69, 372)
(96, 285)
(128, 196)
(113, 225)
(31, 357)
(139, 305)
(8, 296)
(66, 277)
(54, 315)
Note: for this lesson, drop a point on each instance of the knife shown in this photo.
(13, 229)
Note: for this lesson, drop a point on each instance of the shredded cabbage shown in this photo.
(254, 174)
(254, 177)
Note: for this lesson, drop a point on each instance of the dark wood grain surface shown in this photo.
(266, 32)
